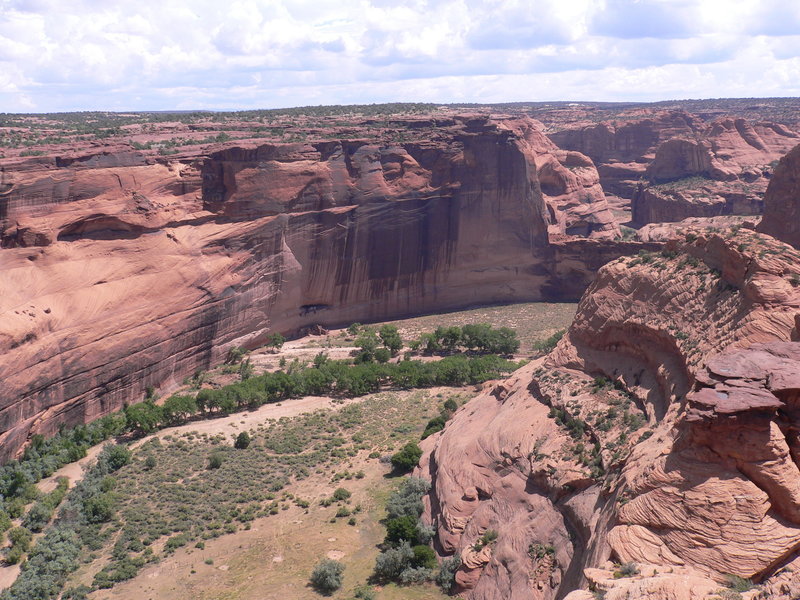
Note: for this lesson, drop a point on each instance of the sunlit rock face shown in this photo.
(673, 165)
(122, 270)
(782, 201)
(662, 430)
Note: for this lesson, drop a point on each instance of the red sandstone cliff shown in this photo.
(622, 150)
(569, 184)
(123, 270)
(635, 440)
(782, 201)
(673, 165)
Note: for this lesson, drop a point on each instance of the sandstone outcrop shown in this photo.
(782, 201)
(674, 165)
(622, 150)
(652, 582)
(699, 197)
(665, 231)
(570, 185)
(126, 269)
(635, 440)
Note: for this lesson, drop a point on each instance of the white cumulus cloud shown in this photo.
(148, 54)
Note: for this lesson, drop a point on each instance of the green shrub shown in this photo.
(382, 355)
(540, 551)
(20, 537)
(364, 592)
(424, 556)
(99, 508)
(242, 440)
(246, 370)
(115, 456)
(738, 584)
(15, 507)
(391, 563)
(14, 555)
(407, 499)
(391, 339)
(489, 536)
(548, 344)
(367, 342)
(626, 570)
(5, 524)
(215, 460)
(446, 578)
(235, 355)
(47, 567)
(276, 341)
(415, 575)
(326, 577)
(177, 409)
(175, 542)
(408, 457)
(144, 417)
(435, 425)
(77, 593)
(37, 517)
(401, 529)
(341, 494)
(450, 405)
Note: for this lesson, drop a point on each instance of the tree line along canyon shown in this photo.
(524, 351)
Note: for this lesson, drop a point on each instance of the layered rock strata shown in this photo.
(673, 165)
(634, 441)
(782, 201)
(623, 150)
(123, 271)
(666, 203)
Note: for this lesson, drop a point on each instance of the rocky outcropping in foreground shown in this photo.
(661, 431)
(124, 270)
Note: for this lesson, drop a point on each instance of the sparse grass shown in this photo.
(534, 322)
(738, 584)
(626, 570)
(182, 507)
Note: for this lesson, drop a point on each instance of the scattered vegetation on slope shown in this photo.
(326, 377)
(131, 513)
(135, 508)
(406, 556)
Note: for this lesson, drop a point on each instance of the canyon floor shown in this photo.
(273, 555)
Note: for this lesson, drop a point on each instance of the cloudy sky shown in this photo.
(175, 54)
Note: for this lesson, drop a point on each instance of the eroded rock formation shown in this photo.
(623, 150)
(673, 165)
(635, 440)
(569, 183)
(123, 270)
(782, 201)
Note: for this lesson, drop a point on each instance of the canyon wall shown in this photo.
(673, 165)
(782, 201)
(122, 271)
(636, 440)
(623, 150)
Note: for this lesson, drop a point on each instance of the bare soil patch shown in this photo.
(272, 555)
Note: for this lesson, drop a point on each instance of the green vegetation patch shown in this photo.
(134, 508)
